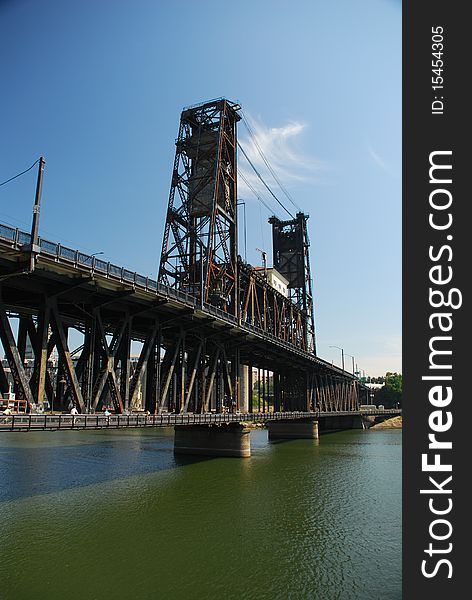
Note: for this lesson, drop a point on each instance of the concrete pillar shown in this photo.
(340, 423)
(357, 422)
(244, 387)
(232, 439)
(293, 429)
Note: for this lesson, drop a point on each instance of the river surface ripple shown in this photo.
(114, 515)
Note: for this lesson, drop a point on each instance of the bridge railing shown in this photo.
(100, 421)
(20, 238)
(76, 258)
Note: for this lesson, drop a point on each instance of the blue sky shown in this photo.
(97, 88)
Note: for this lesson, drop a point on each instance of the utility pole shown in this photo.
(34, 246)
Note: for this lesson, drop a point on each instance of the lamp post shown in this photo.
(94, 259)
(353, 367)
(342, 353)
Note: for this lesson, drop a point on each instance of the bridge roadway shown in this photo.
(55, 422)
(57, 264)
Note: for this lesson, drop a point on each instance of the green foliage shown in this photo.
(373, 379)
(394, 381)
(391, 393)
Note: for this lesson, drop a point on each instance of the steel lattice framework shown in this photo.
(292, 260)
(199, 249)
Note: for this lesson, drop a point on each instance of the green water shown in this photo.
(114, 515)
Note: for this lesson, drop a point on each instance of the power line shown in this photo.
(264, 158)
(264, 183)
(253, 190)
(19, 174)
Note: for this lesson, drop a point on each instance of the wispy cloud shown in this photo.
(376, 158)
(380, 161)
(281, 147)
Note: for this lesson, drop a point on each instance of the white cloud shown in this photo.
(281, 148)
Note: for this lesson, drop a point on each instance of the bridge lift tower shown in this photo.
(292, 260)
(199, 251)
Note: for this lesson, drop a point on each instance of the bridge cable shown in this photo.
(264, 158)
(19, 174)
(256, 194)
(262, 180)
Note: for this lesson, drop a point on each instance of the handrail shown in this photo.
(55, 422)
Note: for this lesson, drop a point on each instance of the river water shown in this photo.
(114, 515)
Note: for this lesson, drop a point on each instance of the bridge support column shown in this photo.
(339, 423)
(232, 439)
(245, 388)
(293, 429)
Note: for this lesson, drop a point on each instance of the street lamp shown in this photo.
(342, 353)
(94, 259)
(353, 368)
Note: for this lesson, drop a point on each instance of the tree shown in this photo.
(390, 395)
(394, 381)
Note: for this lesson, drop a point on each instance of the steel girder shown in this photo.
(264, 307)
(180, 367)
(333, 393)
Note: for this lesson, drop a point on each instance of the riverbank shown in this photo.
(393, 423)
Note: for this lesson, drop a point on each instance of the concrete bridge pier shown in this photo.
(293, 429)
(245, 387)
(340, 423)
(226, 439)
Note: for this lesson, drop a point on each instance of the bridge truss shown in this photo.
(208, 324)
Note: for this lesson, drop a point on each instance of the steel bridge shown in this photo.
(211, 328)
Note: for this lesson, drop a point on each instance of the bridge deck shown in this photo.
(32, 422)
(122, 288)
(184, 345)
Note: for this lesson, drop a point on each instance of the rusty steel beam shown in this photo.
(64, 353)
(41, 354)
(14, 359)
(169, 375)
(4, 384)
(142, 361)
